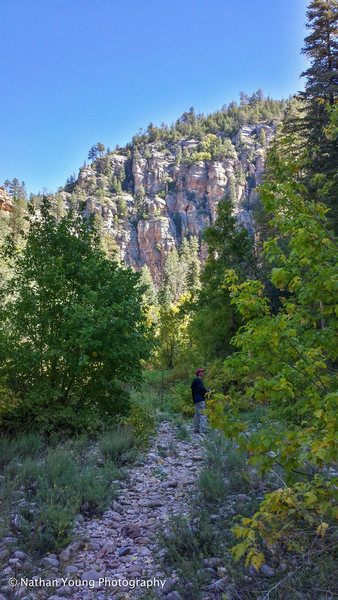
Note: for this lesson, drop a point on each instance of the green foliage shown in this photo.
(172, 333)
(17, 217)
(146, 280)
(196, 157)
(96, 150)
(20, 447)
(46, 488)
(181, 400)
(217, 148)
(181, 272)
(182, 433)
(72, 328)
(187, 546)
(214, 321)
(140, 419)
(262, 137)
(212, 487)
(5, 267)
(286, 360)
(122, 209)
(140, 203)
(223, 123)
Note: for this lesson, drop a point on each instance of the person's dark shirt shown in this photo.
(198, 390)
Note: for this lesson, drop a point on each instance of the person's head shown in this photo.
(200, 373)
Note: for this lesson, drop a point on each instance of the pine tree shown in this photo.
(122, 208)
(178, 156)
(149, 296)
(194, 266)
(140, 203)
(58, 208)
(189, 280)
(17, 220)
(321, 94)
(93, 153)
(100, 148)
(262, 137)
(170, 285)
(321, 47)
(121, 173)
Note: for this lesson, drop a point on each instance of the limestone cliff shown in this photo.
(5, 201)
(178, 191)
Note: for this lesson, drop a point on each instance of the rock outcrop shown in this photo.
(179, 192)
(148, 196)
(5, 201)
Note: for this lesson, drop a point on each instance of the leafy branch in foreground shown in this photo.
(288, 362)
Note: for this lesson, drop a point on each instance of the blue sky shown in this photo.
(75, 72)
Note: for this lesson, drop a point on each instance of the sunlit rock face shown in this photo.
(5, 201)
(165, 199)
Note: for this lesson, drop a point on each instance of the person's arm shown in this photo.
(202, 389)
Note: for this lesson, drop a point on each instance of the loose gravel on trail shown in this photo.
(121, 546)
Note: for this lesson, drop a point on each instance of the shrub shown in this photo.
(212, 486)
(181, 400)
(116, 442)
(140, 419)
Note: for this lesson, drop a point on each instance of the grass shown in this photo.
(188, 542)
(47, 491)
(117, 443)
(19, 447)
(182, 434)
(46, 482)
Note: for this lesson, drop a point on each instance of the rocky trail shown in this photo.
(112, 555)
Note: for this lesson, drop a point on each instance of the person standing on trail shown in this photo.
(198, 394)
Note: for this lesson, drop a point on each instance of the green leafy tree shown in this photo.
(58, 206)
(72, 328)
(287, 360)
(172, 332)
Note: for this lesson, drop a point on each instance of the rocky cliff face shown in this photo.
(171, 190)
(5, 201)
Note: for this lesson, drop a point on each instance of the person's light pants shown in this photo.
(200, 419)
